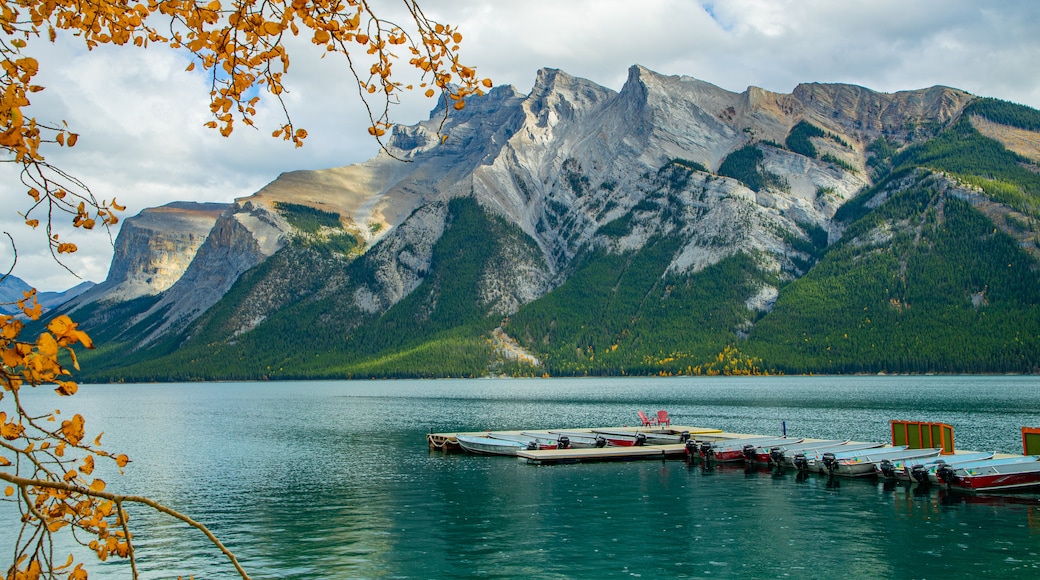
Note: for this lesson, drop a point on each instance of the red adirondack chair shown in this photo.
(663, 418)
(647, 421)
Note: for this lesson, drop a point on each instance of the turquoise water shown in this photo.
(335, 480)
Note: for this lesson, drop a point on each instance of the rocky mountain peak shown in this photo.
(154, 248)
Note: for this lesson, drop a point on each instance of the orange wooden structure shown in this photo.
(1030, 440)
(923, 435)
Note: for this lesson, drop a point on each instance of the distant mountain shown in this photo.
(672, 227)
(13, 288)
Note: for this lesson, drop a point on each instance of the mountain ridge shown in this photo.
(753, 186)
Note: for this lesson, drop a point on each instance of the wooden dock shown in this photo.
(550, 456)
(448, 442)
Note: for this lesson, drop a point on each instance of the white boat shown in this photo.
(489, 446)
(819, 460)
(808, 458)
(570, 440)
(532, 441)
(862, 463)
(904, 469)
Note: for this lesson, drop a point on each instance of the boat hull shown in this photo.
(489, 446)
(1010, 477)
(863, 465)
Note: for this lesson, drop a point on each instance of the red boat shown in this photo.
(739, 449)
(1009, 477)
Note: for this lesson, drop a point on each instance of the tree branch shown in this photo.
(119, 499)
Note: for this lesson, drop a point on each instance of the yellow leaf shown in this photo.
(459, 105)
(9, 491)
(97, 485)
(429, 92)
(122, 460)
(73, 429)
(71, 141)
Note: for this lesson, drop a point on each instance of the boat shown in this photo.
(738, 449)
(903, 469)
(532, 441)
(805, 458)
(567, 440)
(934, 476)
(488, 446)
(774, 454)
(815, 460)
(863, 462)
(628, 438)
(1005, 477)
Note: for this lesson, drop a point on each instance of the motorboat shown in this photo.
(628, 438)
(934, 476)
(489, 446)
(819, 460)
(569, 440)
(1004, 477)
(774, 454)
(532, 441)
(862, 463)
(739, 449)
(806, 458)
(903, 469)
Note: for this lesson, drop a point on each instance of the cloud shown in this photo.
(141, 115)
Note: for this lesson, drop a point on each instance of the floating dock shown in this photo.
(448, 442)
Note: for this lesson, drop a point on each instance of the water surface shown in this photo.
(335, 480)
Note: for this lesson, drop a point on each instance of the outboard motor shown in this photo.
(691, 448)
(830, 462)
(776, 456)
(601, 441)
(945, 474)
(684, 437)
(707, 451)
(640, 439)
(749, 453)
(801, 462)
(919, 472)
(564, 442)
(888, 468)
(532, 445)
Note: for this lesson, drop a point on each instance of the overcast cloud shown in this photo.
(140, 115)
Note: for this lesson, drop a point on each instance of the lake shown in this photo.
(335, 480)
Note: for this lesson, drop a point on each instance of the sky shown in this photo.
(140, 114)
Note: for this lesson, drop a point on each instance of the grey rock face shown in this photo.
(560, 163)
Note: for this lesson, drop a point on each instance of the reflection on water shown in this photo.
(334, 480)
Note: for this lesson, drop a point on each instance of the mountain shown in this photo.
(670, 227)
(13, 289)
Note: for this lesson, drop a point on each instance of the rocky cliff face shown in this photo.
(154, 248)
(561, 163)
